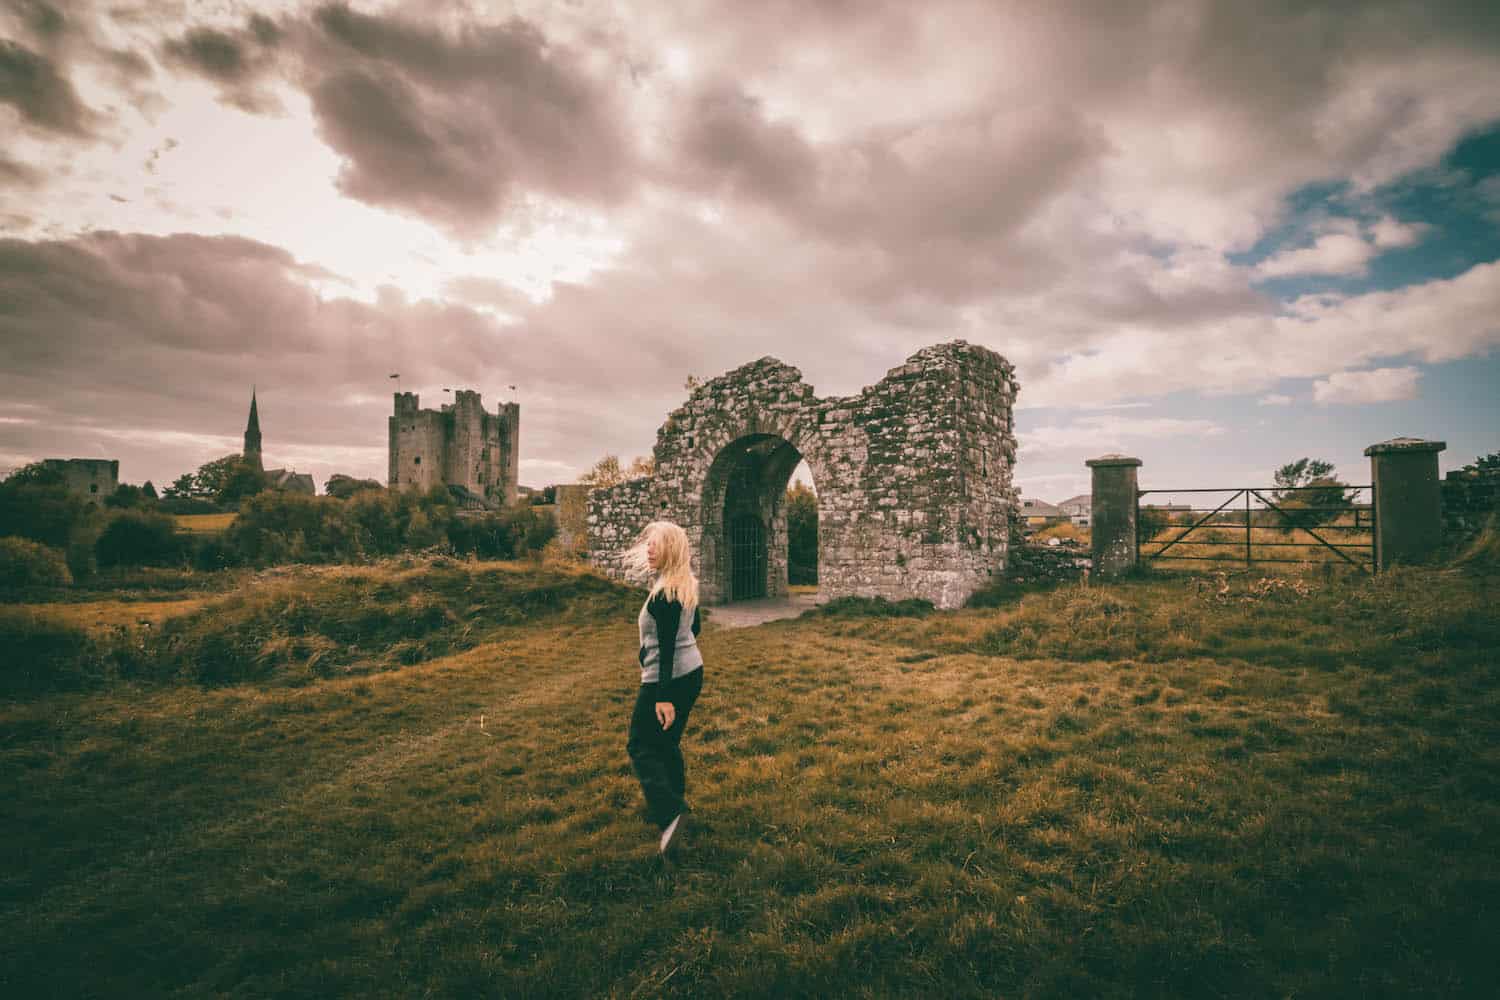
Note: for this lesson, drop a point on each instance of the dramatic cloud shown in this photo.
(456, 127)
(32, 84)
(236, 61)
(144, 348)
(1379, 385)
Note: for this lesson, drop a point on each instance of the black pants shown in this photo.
(656, 753)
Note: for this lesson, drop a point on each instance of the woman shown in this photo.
(671, 673)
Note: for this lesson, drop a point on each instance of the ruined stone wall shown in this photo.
(615, 519)
(91, 478)
(913, 476)
(1047, 563)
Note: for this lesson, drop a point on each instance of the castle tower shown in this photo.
(252, 435)
(460, 445)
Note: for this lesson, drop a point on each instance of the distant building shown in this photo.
(1035, 512)
(1077, 509)
(292, 482)
(94, 478)
(473, 453)
(276, 479)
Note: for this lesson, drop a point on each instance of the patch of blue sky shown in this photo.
(1458, 201)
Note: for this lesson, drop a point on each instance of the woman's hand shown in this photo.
(666, 714)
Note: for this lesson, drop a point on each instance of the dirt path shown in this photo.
(743, 614)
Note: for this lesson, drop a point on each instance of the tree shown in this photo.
(1152, 521)
(127, 496)
(228, 479)
(344, 487)
(42, 509)
(35, 474)
(606, 472)
(148, 491)
(1310, 493)
(182, 487)
(138, 538)
(802, 534)
(1484, 463)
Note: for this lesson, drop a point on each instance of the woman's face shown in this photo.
(653, 552)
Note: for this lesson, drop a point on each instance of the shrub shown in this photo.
(24, 563)
(43, 512)
(127, 496)
(875, 607)
(135, 538)
(211, 552)
(344, 487)
(504, 534)
(42, 653)
(188, 505)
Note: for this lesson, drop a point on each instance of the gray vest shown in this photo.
(685, 659)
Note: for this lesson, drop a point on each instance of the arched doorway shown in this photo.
(744, 552)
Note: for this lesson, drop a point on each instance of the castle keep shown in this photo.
(913, 478)
(458, 446)
(91, 478)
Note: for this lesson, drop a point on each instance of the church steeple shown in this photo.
(252, 435)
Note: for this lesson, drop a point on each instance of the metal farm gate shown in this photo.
(1306, 525)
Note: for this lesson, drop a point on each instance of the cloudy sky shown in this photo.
(1215, 235)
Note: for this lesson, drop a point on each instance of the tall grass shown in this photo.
(1283, 788)
(295, 625)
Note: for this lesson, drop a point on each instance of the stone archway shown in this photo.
(742, 547)
(913, 477)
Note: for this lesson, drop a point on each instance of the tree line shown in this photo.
(50, 536)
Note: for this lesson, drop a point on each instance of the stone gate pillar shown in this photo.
(1113, 518)
(1408, 499)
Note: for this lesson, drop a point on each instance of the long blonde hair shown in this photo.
(674, 577)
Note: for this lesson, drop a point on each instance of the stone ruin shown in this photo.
(913, 479)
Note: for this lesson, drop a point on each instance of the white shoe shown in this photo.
(667, 834)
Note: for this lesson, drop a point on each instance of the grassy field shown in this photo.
(204, 524)
(113, 614)
(1241, 787)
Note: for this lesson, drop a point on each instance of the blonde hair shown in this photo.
(674, 577)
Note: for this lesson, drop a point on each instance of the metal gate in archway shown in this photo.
(747, 557)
